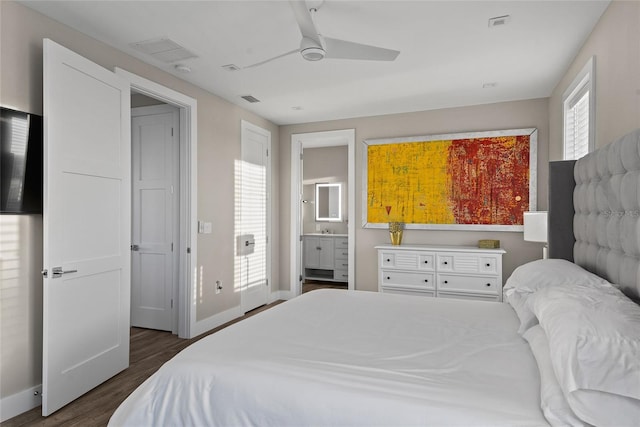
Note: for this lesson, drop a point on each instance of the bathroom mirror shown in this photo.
(329, 202)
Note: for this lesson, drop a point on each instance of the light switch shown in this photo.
(205, 227)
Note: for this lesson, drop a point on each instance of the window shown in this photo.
(579, 114)
(579, 107)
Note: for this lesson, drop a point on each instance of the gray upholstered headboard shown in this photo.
(606, 222)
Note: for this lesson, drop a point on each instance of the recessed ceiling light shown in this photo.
(499, 21)
(489, 85)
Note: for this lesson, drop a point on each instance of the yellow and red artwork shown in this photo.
(472, 181)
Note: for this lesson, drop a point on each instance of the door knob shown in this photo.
(135, 248)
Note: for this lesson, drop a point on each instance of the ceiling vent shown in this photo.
(250, 99)
(164, 50)
(231, 67)
(499, 21)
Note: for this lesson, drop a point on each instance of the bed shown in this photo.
(563, 350)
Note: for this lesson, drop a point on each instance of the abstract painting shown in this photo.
(465, 181)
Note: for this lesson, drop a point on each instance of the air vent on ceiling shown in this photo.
(250, 99)
(231, 67)
(499, 21)
(164, 50)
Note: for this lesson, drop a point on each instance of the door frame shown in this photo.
(187, 241)
(299, 142)
(244, 127)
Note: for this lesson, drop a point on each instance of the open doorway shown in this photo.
(180, 247)
(331, 237)
(155, 218)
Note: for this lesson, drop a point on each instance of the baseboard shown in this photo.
(214, 321)
(280, 295)
(19, 403)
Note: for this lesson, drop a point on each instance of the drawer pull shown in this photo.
(426, 262)
(388, 260)
(445, 263)
(426, 280)
(388, 278)
(318, 248)
(488, 265)
(488, 284)
(446, 281)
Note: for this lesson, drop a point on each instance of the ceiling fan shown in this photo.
(314, 46)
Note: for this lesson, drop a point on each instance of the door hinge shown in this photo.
(188, 250)
(171, 131)
(300, 156)
(171, 246)
(267, 282)
(301, 237)
(44, 272)
(300, 278)
(171, 303)
(267, 152)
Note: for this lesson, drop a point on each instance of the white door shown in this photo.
(87, 231)
(154, 153)
(254, 208)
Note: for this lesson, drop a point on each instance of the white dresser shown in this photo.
(326, 257)
(464, 272)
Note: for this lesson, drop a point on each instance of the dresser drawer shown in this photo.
(341, 253)
(405, 278)
(468, 263)
(424, 261)
(452, 282)
(408, 291)
(341, 242)
(340, 275)
(341, 264)
(474, 297)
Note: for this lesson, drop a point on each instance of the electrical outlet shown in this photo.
(218, 286)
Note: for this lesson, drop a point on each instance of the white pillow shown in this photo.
(594, 341)
(518, 301)
(553, 403)
(535, 275)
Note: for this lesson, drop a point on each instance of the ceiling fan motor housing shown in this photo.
(310, 50)
(313, 53)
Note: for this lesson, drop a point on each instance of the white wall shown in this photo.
(615, 43)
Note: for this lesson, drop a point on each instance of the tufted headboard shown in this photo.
(606, 223)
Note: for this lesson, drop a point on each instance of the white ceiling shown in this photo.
(448, 51)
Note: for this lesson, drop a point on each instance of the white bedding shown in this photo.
(334, 357)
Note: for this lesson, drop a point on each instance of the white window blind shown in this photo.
(576, 126)
(579, 114)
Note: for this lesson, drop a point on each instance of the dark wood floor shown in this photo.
(312, 285)
(149, 350)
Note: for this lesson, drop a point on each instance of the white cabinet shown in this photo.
(464, 272)
(325, 257)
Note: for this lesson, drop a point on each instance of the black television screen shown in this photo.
(20, 162)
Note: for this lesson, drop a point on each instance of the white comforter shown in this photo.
(338, 358)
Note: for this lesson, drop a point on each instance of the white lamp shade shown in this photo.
(535, 226)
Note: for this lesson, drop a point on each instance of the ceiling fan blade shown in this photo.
(342, 49)
(305, 21)
(271, 59)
